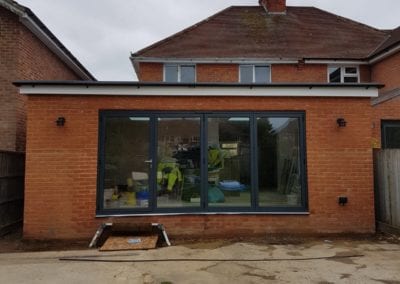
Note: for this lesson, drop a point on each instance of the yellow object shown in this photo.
(129, 181)
(131, 198)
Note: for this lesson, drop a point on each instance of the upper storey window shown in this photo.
(254, 74)
(344, 74)
(180, 73)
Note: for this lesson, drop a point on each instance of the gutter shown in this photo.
(389, 51)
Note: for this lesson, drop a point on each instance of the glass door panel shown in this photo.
(279, 175)
(127, 163)
(178, 162)
(228, 159)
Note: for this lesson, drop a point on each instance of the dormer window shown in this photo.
(180, 73)
(258, 74)
(344, 74)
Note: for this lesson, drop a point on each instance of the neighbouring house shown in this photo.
(255, 121)
(29, 51)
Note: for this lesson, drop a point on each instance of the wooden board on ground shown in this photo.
(114, 243)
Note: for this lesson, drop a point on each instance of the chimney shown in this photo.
(274, 6)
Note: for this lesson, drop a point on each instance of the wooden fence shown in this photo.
(387, 186)
(12, 169)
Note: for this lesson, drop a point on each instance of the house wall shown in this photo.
(229, 73)
(23, 57)
(294, 73)
(151, 72)
(387, 72)
(388, 110)
(221, 73)
(61, 167)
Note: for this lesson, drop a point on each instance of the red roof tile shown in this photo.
(392, 41)
(250, 32)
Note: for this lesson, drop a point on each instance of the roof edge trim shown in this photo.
(214, 60)
(384, 54)
(36, 30)
(203, 90)
(384, 97)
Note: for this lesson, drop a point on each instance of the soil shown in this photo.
(14, 242)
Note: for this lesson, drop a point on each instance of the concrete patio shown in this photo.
(318, 261)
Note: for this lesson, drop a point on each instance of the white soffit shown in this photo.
(205, 91)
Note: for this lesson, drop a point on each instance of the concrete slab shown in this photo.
(314, 262)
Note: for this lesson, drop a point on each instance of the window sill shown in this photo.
(303, 213)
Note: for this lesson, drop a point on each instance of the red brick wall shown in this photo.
(281, 73)
(387, 72)
(23, 57)
(365, 73)
(151, 72)
(8, 93)
(388, 110)
(225, 73)
(62, 167)
(294, 73)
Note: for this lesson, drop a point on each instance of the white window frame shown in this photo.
(179, 65)
(254, 71)
(343, 73)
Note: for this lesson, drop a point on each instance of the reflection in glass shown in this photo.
(188, 74)
(171, 73)
(335, 75)
(246, 74)
(262, 74)
(392, 135)
(229, 161)
(127, 165)
(278, 162)
(178, 157)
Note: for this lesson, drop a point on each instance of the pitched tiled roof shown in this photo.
(250, 32)
(392, 40)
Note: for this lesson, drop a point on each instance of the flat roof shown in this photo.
(197, 84)
(148, 89)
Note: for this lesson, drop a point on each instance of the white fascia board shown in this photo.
(200, 91)
(216, 60)
(36, 30)
(385, 55)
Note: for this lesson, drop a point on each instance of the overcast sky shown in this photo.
(102, 33)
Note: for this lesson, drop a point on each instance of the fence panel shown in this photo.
(12, 170)
(387, 186)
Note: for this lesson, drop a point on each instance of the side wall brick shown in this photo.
(294, 73)
(151, 72)
(221, 73)
(388, 110)
(23, 57)
(387, 72)
(62, 167)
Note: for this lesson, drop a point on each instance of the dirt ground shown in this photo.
(13, 242)
(374, 259)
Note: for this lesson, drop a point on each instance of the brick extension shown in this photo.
(62, 167)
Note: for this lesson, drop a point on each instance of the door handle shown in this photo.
(148, 161)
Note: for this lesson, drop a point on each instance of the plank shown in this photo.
(117, 243)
